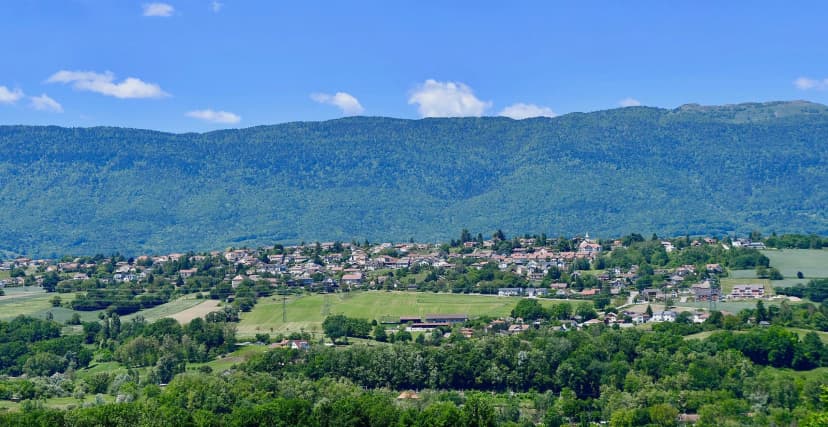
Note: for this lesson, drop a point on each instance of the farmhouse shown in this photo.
(352, 279)
(664, 316)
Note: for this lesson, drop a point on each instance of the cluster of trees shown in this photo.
(815, 290)
(796, 241)
(544, 360)
(340, 326)
(531, 309)
(35, 347)
(120, 300)
(651, 252)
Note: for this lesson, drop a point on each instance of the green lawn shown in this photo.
(307, 312)
(813, 263)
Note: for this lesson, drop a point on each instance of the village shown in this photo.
(575, 269)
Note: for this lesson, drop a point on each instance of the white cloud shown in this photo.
(9, 96)
(158, 9)
(215, 6)
(447, 99)
(629, 102)
(104, 84)
(805, 83)
(45, 103)
(344, 101)
(208, 115)
(524, 111)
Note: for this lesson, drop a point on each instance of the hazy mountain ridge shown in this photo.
(688, 170)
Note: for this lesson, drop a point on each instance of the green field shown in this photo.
(813, 263)
(26, 301)
(307, 312)
(35, 302)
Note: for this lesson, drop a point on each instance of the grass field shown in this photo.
(35, 302)
(26, 301)
(308, 311)
(813, 263)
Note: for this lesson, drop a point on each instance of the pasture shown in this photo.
(306, 312)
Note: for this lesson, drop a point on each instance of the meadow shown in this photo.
(813, 263)
(306, 312)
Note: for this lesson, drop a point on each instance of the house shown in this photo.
(700, 317)
(588, 247)
(516, 329)
(352, 279)
(536, 292)
(590, 292)
(652, 294)
(705, 292)
(410, 319)
(291, 344)
(509, 292)
(664, 316)
(748, 291)
(187, 273)
(236, 281)
(714, 268)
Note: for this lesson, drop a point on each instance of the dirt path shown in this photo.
(201, 310)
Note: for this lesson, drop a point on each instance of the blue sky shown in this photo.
(197, 65)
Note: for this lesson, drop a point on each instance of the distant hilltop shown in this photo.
(690, 170)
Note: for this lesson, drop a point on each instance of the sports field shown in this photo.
(306, 312)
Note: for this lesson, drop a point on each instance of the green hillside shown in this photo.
(690, 170)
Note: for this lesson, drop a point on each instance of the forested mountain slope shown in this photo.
(694, 169)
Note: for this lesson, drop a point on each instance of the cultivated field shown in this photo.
(170, 309)
(308, 311)
(200, 310)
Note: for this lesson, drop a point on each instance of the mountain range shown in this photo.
(690, 170)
